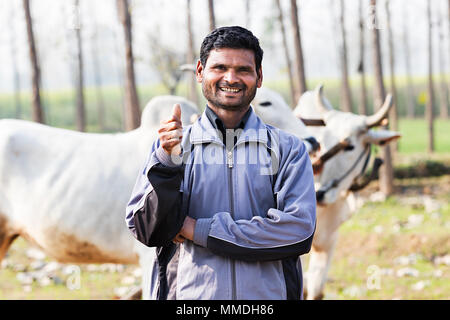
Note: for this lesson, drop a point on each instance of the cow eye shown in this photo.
(350, 147)
(265, 104)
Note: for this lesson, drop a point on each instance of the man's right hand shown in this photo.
(171, 132)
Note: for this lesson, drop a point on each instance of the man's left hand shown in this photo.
(187, 231)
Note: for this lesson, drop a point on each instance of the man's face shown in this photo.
(229, 78)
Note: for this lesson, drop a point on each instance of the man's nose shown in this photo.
(231, 76)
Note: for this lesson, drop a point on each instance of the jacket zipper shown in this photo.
(230, 191)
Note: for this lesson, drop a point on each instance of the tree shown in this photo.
(37, 111)
(190, 57)
(429, 116)
(362, 106)
(81, 110)
(443, 89)
(386, 171)
(167, 63)
(299, 63)
(346, 97)
(393, 113)
(212, 17)
(247, 14)
(286, 51)
(98, 80)
(132, 110)
(410, 103)
(16, 75)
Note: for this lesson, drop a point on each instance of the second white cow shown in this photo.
(336, 202)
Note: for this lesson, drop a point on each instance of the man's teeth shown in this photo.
(229, 89)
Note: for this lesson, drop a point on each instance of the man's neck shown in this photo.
(230, 119)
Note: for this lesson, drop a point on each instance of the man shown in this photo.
(235, 196)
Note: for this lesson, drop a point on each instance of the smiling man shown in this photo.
(227, 228)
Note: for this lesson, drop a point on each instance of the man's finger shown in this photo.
(178, 239)
(171, 126)
(176, 111)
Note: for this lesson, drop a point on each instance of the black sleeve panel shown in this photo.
(230, 250)
(160, 219)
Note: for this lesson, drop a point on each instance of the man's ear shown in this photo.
(260, 77)
(199, 72)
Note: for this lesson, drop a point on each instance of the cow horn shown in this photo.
(376, 119)
(320, 102)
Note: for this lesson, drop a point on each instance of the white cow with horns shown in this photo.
(351, 137)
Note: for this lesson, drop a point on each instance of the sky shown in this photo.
(54, 22)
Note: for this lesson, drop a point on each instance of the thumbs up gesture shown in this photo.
(171, 132)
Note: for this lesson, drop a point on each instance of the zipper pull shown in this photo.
(230, 159)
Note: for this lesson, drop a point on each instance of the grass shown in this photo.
(95, 285)
(414, 135)
(379, 233)
(373, 238)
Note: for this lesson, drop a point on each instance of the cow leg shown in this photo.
(7, 237)
(319, 263)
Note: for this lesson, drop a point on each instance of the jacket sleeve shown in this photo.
(153, 213)
(286, 231)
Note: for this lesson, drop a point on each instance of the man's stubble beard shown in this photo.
(243, 105)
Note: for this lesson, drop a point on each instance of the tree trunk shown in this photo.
(247, 14)
(120, 69)
(190, 57)
(362, 106)
(132, 110)
(393, 113)
(299, 63)
(37, 111)
(386, 171)
(430, 101)
(448, 22)
(16, 75)
(346, 97)
(98, 82)
(81, 112)
(411, 104)
(286, 52)
(443, 91)
(212, 17)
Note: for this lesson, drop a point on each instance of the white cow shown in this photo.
(335, 202)
(270, 106)
(66, 191)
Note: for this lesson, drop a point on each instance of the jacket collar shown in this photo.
(204, 132)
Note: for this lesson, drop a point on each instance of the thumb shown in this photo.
(176, 111)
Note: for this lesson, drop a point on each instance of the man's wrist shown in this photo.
(167, 159)
(201, 231)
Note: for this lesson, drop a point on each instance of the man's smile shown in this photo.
(227, 89)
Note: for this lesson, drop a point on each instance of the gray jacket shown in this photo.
(255, 209)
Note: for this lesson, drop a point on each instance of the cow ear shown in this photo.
(381, 137)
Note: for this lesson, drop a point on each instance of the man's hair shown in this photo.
(231, 37)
